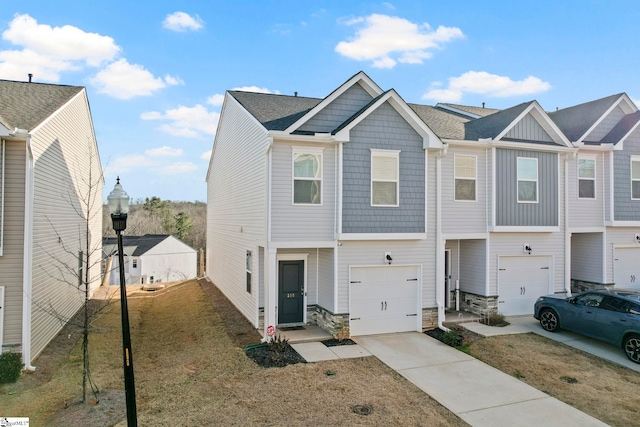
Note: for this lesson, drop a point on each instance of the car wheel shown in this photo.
(549, 320)
(632, 348)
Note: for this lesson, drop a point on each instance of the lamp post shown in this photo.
(119, 207)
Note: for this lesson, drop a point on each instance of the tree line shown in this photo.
(185, 220)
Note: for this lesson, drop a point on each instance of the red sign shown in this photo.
(271, 331)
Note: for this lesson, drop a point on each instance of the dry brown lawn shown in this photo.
(604, 390)
(190, 369)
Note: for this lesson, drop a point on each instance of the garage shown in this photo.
(384, 299)
(626, 267)
(521, 280)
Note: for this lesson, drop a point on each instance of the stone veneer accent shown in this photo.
(429, 318)
(478, 304)
(583, 285)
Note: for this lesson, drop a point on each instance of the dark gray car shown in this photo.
(611, 316)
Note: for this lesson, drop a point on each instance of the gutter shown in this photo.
(440, 250)
(27, 270)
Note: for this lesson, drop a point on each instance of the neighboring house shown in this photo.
(150, 258)
(50, 177)
(604, 191)
(364, 214)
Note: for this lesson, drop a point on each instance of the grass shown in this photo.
(190, 369)
(604, 390)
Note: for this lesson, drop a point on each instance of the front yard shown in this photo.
(190, 369)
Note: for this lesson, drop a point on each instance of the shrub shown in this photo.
(493, 318)
(451, 338)
(10, 367)
(278, 344)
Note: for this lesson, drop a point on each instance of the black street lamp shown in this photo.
(119, 207)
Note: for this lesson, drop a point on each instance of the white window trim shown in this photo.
(249, 269)
(306, 150)
(527, 180)
(633, 159)
(475, 178)
(595, 175)
(385, 153)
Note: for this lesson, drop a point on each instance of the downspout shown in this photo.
(567, 234)
(27, 270)
(439, 243)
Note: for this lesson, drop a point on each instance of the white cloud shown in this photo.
(483, 83)
(206, 155)
(127, 163)
(124, 81)
(164, 151)
(173, 81)
(177, 168)
(254, 89)
(181, 21)
(48, 51)
(215, 100)
(379, 37)
(188, 122)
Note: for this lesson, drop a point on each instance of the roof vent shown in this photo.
(483, 105)
(295, 93)
(30, 77)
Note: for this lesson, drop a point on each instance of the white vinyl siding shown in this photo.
(527, 180)
(587, 257)
(465, 170)
(67, 182)
(586, 178)
(635, 178)
(1, 201)
(237, 203)
(385, 178)
(307, 176)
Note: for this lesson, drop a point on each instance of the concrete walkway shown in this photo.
(477, 393)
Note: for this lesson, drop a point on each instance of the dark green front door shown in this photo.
(290, 292)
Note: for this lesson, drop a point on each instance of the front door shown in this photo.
(290, 292)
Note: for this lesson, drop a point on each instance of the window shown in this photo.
(249, 263)
(586, 179)
(635, 177)
(465, 177)
(134, 263)
(307, 176)
(384, 177)
(527, 180)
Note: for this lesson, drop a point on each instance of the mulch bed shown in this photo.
(267, 357)
(465, 336)
(334, 342)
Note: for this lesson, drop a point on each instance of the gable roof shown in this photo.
(576, 122)
(621, 130)
(25, 105)
(491, 126)
(136, 245)
(467, 110)
(275, 112)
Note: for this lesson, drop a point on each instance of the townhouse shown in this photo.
(364, 214)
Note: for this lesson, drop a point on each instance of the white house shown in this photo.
(50, 183)
(151, 258)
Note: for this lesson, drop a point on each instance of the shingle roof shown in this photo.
(479, 111)
(25, 105)
(135, 245)
(443, 123)
(275, 112)
(491, 126)
(621, 129)
(575, 121)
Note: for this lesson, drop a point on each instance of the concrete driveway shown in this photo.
(525, 324)
(476, 392)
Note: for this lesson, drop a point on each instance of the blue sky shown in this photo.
(156, 71)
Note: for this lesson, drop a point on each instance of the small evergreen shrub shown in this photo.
(10, 367)
(493, 318)
(451, 338)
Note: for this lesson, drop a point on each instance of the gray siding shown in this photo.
(336, 113)
(383, 129)
(473, 266)
(11, 262)
(301, 222)
(528, 129)
(511, 213)
(587, 257)
(625, 209)
(606, 125)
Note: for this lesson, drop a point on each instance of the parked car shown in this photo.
(611, 316)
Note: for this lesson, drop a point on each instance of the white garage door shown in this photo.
(626, 267)
(521, 280)
(384, 299)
